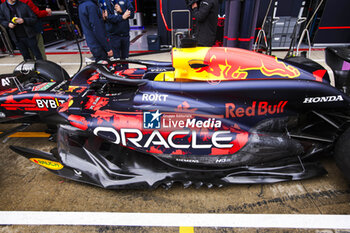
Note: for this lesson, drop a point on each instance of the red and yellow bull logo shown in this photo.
(219, 63)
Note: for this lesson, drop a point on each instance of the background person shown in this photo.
(38, 26)
(206, 14)
(20, 21)
(90, 17)
(117, 24)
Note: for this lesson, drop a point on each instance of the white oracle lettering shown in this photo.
(61, 101)
(135, 136)
(174, 133)
(216, 139)
(154, 97)
(110, 130)
(161, 141)
(5, 82)
(134, 141)
(194, 142)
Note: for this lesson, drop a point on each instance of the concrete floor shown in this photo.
(24, 186)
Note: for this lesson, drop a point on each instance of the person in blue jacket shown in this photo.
(92, 24)
(117, 15)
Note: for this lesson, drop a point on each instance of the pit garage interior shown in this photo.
(34, 200)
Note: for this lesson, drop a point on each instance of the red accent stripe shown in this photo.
(87, 52)
(240, 39)
(135, 6)
(19, 105)
(339, 27)
(246, 39)
(227, 38)
(161, 13)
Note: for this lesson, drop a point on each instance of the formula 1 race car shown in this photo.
(213, 116)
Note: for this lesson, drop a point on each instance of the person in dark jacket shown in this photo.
(20, 21)
(117, 18)
(90, 17)
(38, 26)
(206, 14)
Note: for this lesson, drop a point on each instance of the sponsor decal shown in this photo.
(152, 120)
(188, 160)
(77, 173)
(5, 82)
(171, 121)
(47, 163)
(59, 86)
(47, 104)
(135, 138)
(43, 86)
(323, 99)
(25, 68)
(156, 120)
(36, 103)
(258, 108)
(154, 97)
(158, 69)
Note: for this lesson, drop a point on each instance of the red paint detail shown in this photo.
(64, 107)
(204, 133)
(81, 89)
(240, 140)
(93, 78)
(319, 74)
(25, 104)
(102, 116)
(337, 27)
(154, 150)
(78, 121)
(9, 91)
(96, 102)
(185, 107)
(178, 152)
(135, 6)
